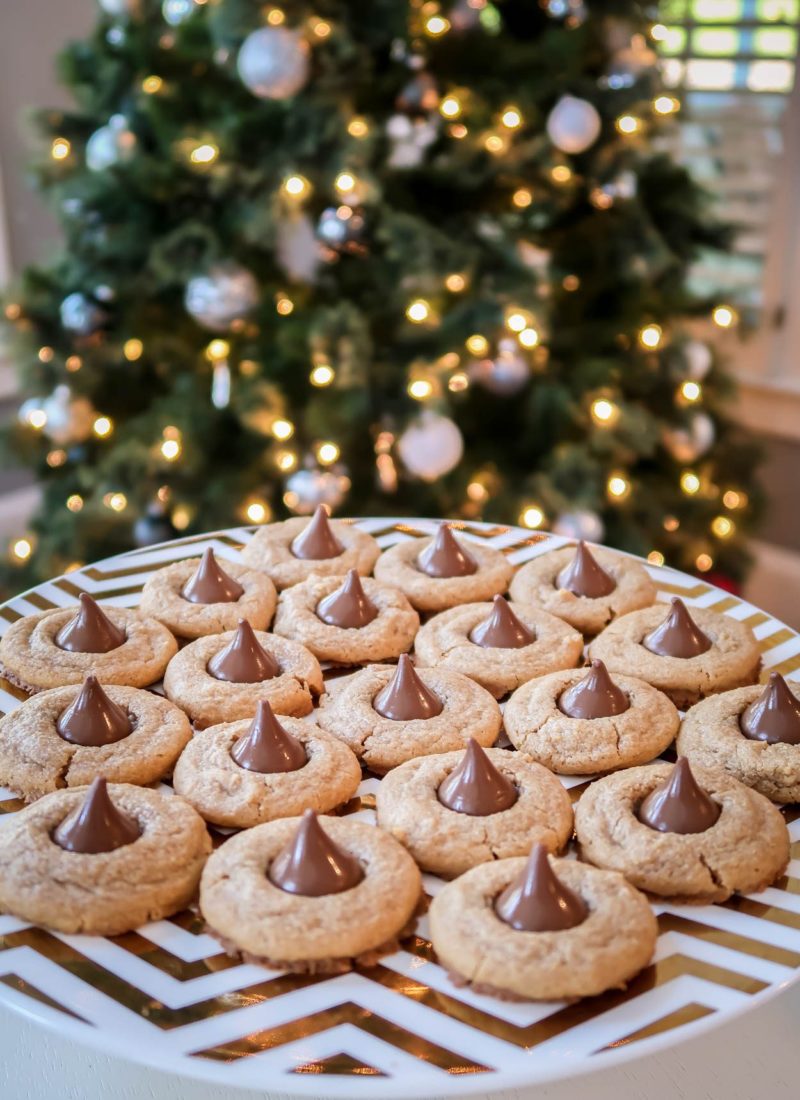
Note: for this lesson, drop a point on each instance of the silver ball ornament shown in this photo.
(431, 446)
(581, 524)
(69, 418)
(699, 359)
(692, 442)
(573, 125)
(80, 314)
(221, 295)
(504, 375)
(111, 144)
(274, 62)
(306, 489)
(176, 12)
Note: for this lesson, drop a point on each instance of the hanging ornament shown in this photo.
(69, 418)
(574, 11)
(699, 359)
(342, 229)
(307, 489)
(409, 139)
(419, 97)
(80, 314)
(582, 524)
(221, 384)
(176, 12)
(504, 375)
(274, 62)
(535, 258)
(154, 526)
(692, 442)
(296, 248)
(112, 144)
(226, 292)
(573, 124)
(120, 7)
(431, 446)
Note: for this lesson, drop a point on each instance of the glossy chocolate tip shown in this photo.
(538, 901)
(445, 556)
(584, 576)
(407, 696)
(267, 747)
(314, 865)
(475, 786)
(90, 630)
(97, 825)
(678, 635)
(595, 696)
(93, 718)
(210, 583)
(502, 628)
(243, 660)
(679, 805)
(348, 606)
(775, 716)
(317, 542)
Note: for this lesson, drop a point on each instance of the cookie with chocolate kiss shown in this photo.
(90, 630)
(244, 660)
(538, 901)
(753, 733)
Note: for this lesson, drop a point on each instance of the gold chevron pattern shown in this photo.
(171, 985)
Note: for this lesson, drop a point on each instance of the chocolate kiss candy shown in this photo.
(210, 583)
(92, 718)
(595, 696)
(584, 576)
(538, 901)
(317, 541)
(267, 747)
(775, 716)
(679, 805)
(97, 825)
(446, 557)
(406, 697)
(312, 864)
(678, 635)
(475, 786)
(502, 629)
(349, 606)
(90, 630)
(244, 660)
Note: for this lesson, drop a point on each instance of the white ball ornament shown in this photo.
(504, 375)
(581, 524)
(573, 124)
(221, 295)
(308, 488)
(80, 314)
(431, 446)
(274, 62)
(699, 359)
(111, 144)
(176, 12)
(69, 418)
(690, 443)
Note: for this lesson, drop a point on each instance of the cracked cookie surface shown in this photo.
(743, 852)
(586, 746)
(397, 566)
(209, 701)
(106, 893)
(35, 759)
(448, 843)
(381, 743)
(208, 777)
(613, 944)
(732, 661)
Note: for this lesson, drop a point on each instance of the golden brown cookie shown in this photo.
(540, 583)
(163, 599)
(270, 549)
(227, 793)
(31, 659)
(290, 679)
(400, 566)
(731, 659)
(712, 735)
(106, 892)
(743, 851)
(467, 710)
(383, 621)
(612, 944)
(445, 641)
(35, 759)
(326, 933)
(541, 730)
(448, 842)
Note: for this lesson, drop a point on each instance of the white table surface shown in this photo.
(753, 1058)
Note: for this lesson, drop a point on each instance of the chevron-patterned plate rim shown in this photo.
(167, 998)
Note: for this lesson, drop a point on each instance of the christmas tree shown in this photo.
(403, 258)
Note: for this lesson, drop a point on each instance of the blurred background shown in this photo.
(726, 67)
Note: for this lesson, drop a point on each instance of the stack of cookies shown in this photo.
(466, 685)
